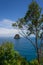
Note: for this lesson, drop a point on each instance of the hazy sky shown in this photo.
(11, 10)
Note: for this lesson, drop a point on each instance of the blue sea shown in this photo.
(23, 46)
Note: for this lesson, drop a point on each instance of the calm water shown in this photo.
(23, 46)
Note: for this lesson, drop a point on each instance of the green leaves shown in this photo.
(19, 23)
(33, 13)
(14, 24)
(8, 56)
(34, 62)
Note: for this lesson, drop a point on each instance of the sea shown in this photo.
(23, 46)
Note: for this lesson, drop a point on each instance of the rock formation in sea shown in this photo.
(17, 36)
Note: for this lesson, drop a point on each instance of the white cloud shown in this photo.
(6, 29)
(32, 35)
(7, 23)
(4, 32)
(8, 32)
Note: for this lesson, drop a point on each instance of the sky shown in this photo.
(10, 11)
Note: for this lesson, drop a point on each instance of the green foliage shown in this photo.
(6, 53)
(8, 56)
(14, 24)
(33, 14)
(34, 62)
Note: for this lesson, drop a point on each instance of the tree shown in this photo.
(41, 49)
(33, 24)
(8, 55)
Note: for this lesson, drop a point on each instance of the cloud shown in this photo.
(6, 23)
(5, 32)
(6, 29)
(8, 32)
(32, 35)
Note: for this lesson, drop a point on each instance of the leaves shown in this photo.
(14, 24)
(8, 56)
(6, 53)
(33, 11)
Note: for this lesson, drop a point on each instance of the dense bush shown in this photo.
(8, 56)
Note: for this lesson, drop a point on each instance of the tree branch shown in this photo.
(24, 35)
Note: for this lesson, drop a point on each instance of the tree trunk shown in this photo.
(37, 50)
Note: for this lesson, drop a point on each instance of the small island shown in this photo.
(17, 36)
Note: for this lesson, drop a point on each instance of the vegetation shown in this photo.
(8, 56)
(33, 24)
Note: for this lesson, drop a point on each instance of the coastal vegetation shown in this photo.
(8, 56)
(32, 22)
